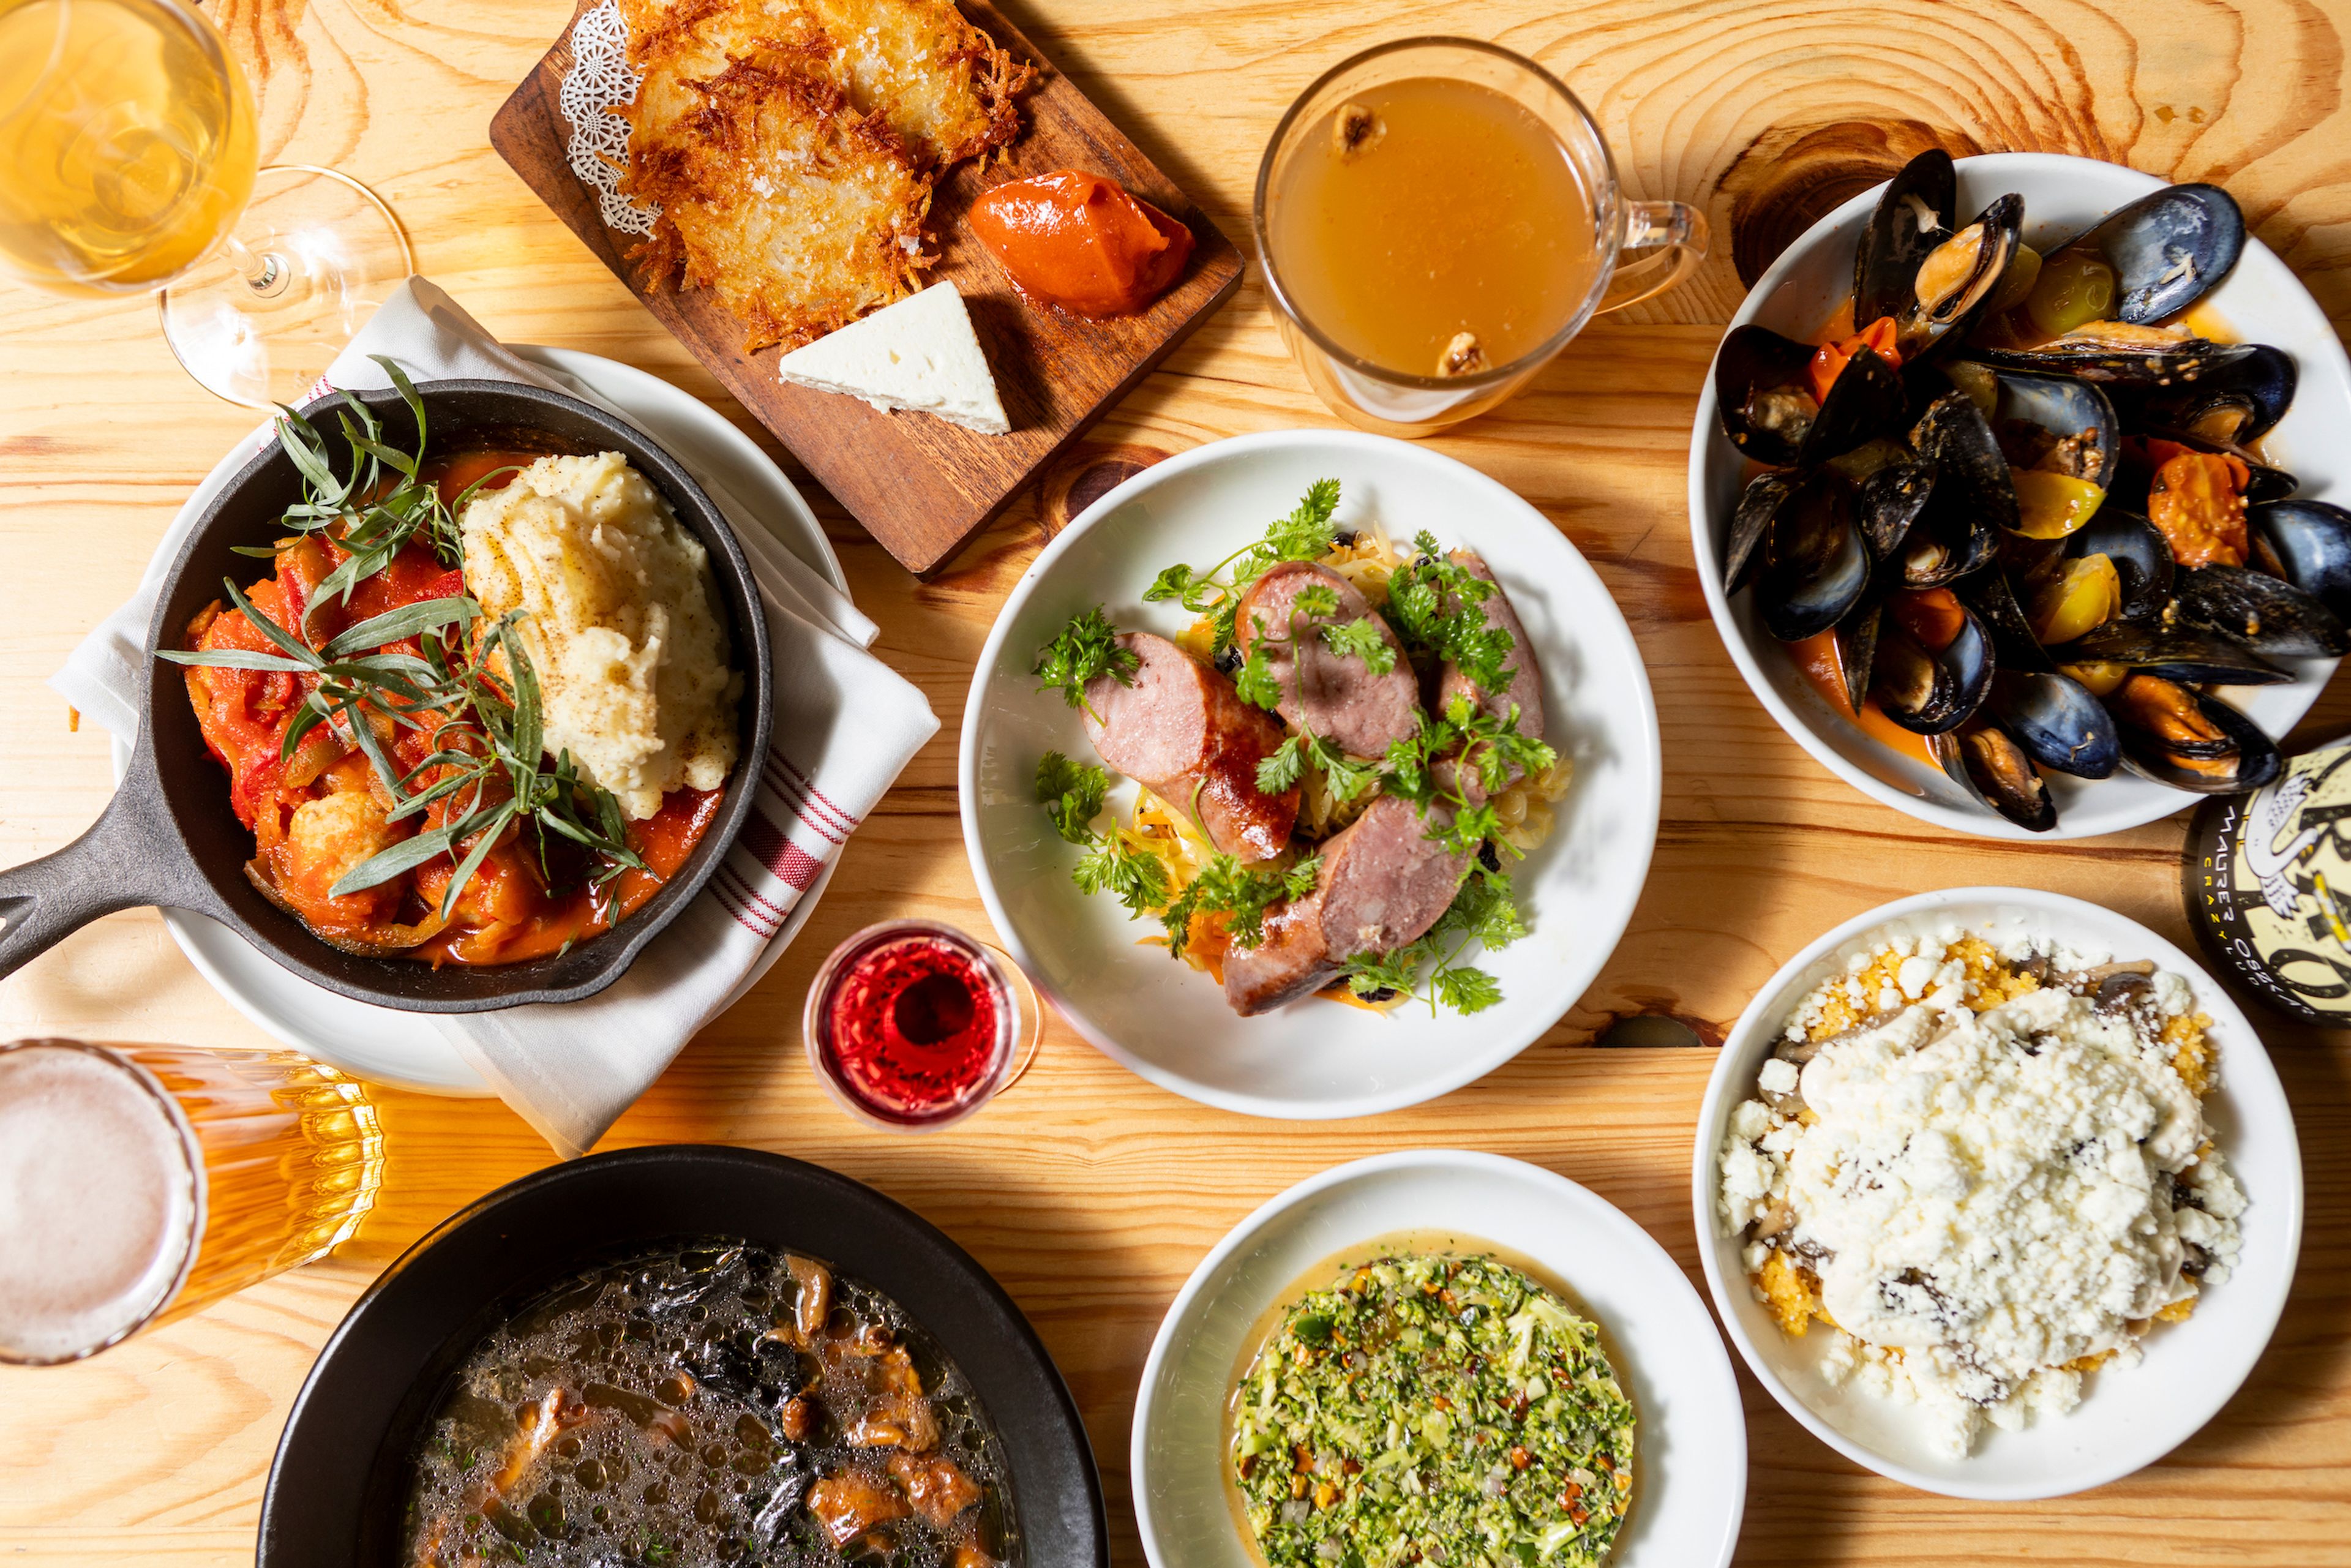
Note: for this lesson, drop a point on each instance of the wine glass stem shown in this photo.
(263, 271)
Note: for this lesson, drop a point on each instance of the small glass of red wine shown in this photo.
(912, 1025)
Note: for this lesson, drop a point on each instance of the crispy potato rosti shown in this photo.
(791, 143)
(802, 214)
(942, 84)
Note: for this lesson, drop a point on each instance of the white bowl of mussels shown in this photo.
(2015, 492)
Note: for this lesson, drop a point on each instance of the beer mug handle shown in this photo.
(1674, 236)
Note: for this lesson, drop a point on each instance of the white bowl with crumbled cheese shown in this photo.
(1997, 1193)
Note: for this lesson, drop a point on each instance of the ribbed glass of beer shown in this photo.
(138, 1183)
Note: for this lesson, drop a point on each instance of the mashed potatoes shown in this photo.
(622, 624)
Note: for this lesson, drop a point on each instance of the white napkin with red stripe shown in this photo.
(845, 724)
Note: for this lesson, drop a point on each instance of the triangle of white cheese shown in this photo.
(920, 353)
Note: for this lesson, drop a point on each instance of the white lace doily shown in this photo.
(600, 80)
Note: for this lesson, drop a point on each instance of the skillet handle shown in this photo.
(131, 856)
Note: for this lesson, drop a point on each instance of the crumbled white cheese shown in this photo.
(1985, 1197)
(1917, 972)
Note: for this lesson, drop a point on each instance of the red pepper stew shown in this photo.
(321, 811)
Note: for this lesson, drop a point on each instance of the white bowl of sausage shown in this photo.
(1314, 1059)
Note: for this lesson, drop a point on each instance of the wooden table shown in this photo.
(1088, 1193)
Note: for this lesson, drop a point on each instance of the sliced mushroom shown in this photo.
(1463, 356)
(936, 1487)
(533, 1433)
(1775, 1219)
(812, 1301)
(848, 1504)
(1355, 129)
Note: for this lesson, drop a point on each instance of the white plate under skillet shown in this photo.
(2260, 302)
(2130, 1416)
(405, 1049)
(1690, 1446)
(1316, 1057)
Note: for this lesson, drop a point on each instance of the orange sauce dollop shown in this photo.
(1074, 240)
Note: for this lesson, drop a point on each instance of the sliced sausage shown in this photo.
(1183, 731)
(1525, 686)
(1336, 695)
(1383, 883)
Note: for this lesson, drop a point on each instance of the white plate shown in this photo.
(2130, 1416)
(1317, 1058)
(1689, 1464)
(405, 1049)
(2262, 302)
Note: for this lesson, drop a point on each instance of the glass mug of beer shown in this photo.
(1435, 218)
(138, 1183)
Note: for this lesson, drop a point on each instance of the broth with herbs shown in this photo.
(711, 1404)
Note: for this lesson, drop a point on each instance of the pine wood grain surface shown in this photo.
(1088, 1193)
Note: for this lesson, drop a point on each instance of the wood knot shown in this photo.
(1085, 473)
(1659, 1025)
(1791, 177)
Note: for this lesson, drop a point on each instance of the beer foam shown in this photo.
(97, 1202)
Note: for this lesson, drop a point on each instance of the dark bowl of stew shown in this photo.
(596, 1365)
(170, 836)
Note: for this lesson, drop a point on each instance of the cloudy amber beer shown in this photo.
(138, 1183)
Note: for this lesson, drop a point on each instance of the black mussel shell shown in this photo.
(2124, 355)
(2057, 721)
(1889, 501)
(1750, 520)
(1948, 541)
(2168, 249)
(1932, 322)
(1931, 693)
(2057, 422)
(1857, 640)
(1916, 213)
(2265, 614)
(1815, 565)
(1866, 403)
(2176, 735)
(1992, 596)
(2141, 555)
(1970, 505)
(1969, 467)
(1760, 396)
(1990, 764)
(2235, 405)
(2309, 544)
(2175, 651)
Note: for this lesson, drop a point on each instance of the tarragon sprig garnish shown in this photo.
(488, 764)
(376, 506)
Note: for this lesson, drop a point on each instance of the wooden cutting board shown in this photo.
(920, 485)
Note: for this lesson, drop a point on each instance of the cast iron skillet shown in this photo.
(169, 838)
(337, 1487)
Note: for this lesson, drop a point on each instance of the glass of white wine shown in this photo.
(129, 155)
